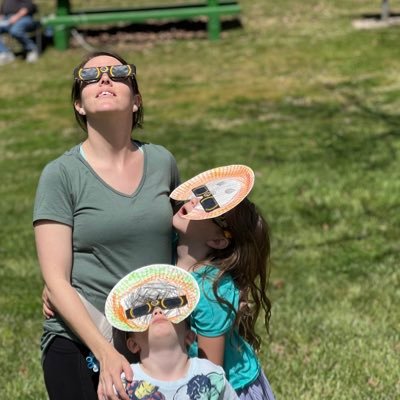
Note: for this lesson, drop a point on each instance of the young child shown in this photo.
(224, 242)
(152, 305)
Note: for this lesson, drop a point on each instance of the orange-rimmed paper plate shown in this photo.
(130, 304)
(218, 190)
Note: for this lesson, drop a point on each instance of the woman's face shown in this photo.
(105, 95)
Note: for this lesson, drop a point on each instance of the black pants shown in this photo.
(66, 374)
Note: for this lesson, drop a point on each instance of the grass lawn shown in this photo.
(312, 105)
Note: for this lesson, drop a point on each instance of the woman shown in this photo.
(102, 209)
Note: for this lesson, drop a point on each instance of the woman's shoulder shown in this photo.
(155, 150)
(65, 166)
(68, 157)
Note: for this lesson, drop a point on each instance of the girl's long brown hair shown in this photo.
(246, 260)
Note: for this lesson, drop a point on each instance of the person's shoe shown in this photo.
(6, 58)
(32, 56)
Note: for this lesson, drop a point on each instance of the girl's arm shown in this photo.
(212, 348)
(54, 248)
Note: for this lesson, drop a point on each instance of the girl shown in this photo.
(228, 255)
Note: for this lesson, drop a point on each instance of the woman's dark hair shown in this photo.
(246, 260)
(137, 120)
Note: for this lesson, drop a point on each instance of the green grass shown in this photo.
(312, 105)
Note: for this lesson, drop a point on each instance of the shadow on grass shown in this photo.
(143, 33)
(375, 146)
(337, 158)
(352, 131)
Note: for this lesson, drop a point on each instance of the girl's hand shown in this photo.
(47, 307)
(112, 364)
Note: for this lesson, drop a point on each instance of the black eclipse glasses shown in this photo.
(209, 203)
(115, 72)
(147, 308)
(207, 200)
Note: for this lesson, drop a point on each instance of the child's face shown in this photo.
(193, 229)
(161, 333)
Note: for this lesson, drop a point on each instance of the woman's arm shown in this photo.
(212, 348)
(54, 249)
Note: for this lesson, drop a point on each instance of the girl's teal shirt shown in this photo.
(212, 318)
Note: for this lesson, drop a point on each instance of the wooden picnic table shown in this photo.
(65, 18)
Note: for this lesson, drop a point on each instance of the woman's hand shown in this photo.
(112, 364)
(47, 307)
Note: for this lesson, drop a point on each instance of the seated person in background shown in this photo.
(152, 304)
(16, 20)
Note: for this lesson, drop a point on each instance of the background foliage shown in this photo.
(312, 105)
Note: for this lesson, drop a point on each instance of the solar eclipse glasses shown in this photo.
(115, 72)
(164, 304)
(207, 200)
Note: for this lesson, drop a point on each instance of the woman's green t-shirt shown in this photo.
(113, 233)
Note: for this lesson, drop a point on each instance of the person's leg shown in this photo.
(6, 55)
(4, 48)
(19, 31)
(4, 29)
(66, 373)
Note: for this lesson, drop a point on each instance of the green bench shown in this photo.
(64, 19)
